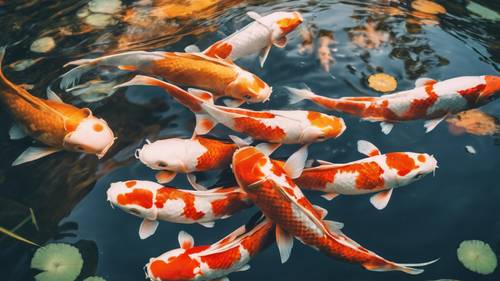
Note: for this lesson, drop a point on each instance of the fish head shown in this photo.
(92, 136)
(492, 89)
(167, 154)
(174, 265)
(409, 167)
(249, 88)
(287, 22)
(135, 197)
(249, 165)
(322, 127)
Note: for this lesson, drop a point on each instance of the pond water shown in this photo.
(423, 221)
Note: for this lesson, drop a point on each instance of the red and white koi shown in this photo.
(430, 100)
(378, 173)
(271, 188)
(274, 126)
(212, 262)
(58, 125)
(218, 76)
(257, 37)
(152, 202)
(175, 155)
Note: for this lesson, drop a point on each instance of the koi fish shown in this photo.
(216, 261)
(272, 189)
(198, 154)
(222, 78)
(430, 100)
(378, 173)
(257, 37)
(153, 202)
(274, 126)
(52, 122)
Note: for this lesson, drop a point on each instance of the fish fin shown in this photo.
(204, 124)
(165, 176)
(322, 211)
(295, 163)
(147, 228)
(297, 95)
(225, 278)
(51, 95)
(33, 153)
(386, 127)
(470, 149)
(192, 181)
(323, 162)
(256, 184)
(231, 237)
(409, 267)
(208, 224)
(309, 163)
(16, 132)
(367, 148)
(192, 49)
(233, 102)
(433, 123)
(263, 55)
(329, 196)
(280, 42)
(267, 148)
(285, 243)
(203, 95)
(254, 15)
(381, 199)
(424, 81)
(334, 226)
(239, 141)
(244, 268)
(186, 241)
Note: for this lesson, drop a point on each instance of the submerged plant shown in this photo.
(15, 236)
(477, 256)
(58, 261)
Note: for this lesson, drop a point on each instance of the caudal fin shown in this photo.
(126, 61)
(409, 268)
(297, 95)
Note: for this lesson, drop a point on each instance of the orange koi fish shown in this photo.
(198, 154)
(274, 126)
(152, 202)
(59, 125)
(257, 37)
(216, 261)
(222, 78)
(430, 100)
(378, 173)
(271, 188)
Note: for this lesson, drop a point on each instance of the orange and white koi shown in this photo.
(52, 122)
(430, 100)
(378, 173)
(257, 37)
(274, 126)
(153, 202)
(272, 189)
(222, 78)
(175, 155)
(216, 261)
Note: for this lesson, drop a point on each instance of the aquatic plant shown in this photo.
(58, 261)
(94, 278)
(382, 82)
(477, 256)
(15, 236)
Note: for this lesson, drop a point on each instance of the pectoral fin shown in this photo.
(322, 211)
(147, 228)
(192, 49)
(253, 15)
(233, 102)
(334, 226)
(204, 124)
(295, 164)
(185, 239)
(367, 148)
(33, 153)
(239, 141)
(209, 224)
(192, 180)
(386, 127)
(280, 42)
(285, 243)
(267, 148)
(263, 55)
(244, 268)
(16, 132)
(381, 199)
(432, 124)
(165, 176)
(329, 196)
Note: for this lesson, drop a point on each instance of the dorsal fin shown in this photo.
(186, 241)
(367, 148)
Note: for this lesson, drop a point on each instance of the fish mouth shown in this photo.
(103, 152)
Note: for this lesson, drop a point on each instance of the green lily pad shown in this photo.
(477, 256)
(94, 278)
(58, 261)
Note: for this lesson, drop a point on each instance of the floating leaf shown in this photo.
(382, 82)
(43, 45)
(105, 6)
(475, 122)
(428, 7)
(483, 11)
(58, 261)
(94, 278)
(15, 236)
(477, 256)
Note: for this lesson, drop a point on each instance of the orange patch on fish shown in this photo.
(258, 130)
(421, 158)
(219, 50)
(218, 155)
(472, 94)
(374, 152)
(256, 114)
(98, 127)
(222, 260)
(418, 107)
(127, 67)
(400, 162)
(165, 194)
(289, 24)
(248, 165)
(141, 197)
(230, 205)
(130, 184)
(331, 126)
(178, 268)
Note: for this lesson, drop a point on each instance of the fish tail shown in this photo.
(296, 95)
(409, 268)
(130, 61)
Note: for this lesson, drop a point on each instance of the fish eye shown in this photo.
(161, 164)
(247, 97)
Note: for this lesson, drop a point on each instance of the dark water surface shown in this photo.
(423, 221)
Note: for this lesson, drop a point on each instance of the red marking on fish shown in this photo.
(220, 49)
(421, 158)
(218, 155)
(130, 184)
(180, 268)
(141, 197)
(374, 152)
(234, 202)
(472, 94)
(256, 114)
(258, 129)
(400, 162)
(190, 211)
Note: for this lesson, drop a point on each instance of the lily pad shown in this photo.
(105, 6)
(94, 278)
(58, 261)
(477, 256)
(100, 20)
(43, 45)
(382, 82)
(428, 7)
